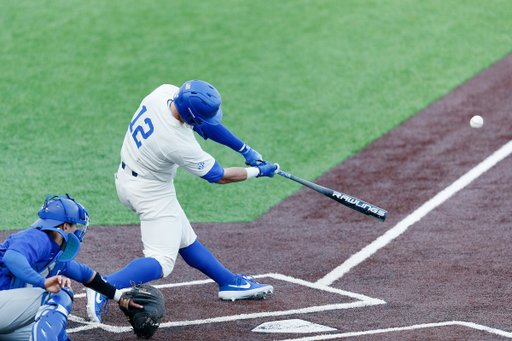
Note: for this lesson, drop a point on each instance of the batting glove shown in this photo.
(252, 157)
(267, 169)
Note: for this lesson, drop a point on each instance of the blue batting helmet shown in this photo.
(58, 210)
(198, 102)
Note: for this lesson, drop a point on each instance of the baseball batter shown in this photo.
(35, 297)
(160, 138)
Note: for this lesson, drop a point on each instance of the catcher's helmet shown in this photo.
(61, 209)
(198, 102)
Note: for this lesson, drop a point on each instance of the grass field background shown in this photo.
(306, 83)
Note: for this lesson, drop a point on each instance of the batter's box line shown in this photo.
(363, 301)
(399, 329)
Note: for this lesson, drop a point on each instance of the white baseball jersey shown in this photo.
(156, 143)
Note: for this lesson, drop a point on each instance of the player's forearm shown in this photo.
(98, 284)
(233, 174)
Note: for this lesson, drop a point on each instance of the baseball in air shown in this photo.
(476, 122)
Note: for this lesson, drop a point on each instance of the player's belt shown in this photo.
(124, 166)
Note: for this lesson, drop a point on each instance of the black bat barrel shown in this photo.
(344, 199)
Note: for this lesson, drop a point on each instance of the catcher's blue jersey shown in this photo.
(40, 251)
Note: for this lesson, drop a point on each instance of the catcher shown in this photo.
(36, 268)
(144, 321)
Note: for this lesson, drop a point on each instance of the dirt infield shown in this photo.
(448, 277)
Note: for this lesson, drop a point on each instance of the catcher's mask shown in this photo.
(198, 102)
(57, 210)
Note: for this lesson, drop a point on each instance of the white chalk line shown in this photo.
(362, 301)
(414, 217)
(163, 286)
(398, 329)
(270, 275)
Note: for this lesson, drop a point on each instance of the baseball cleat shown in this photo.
(95, 302)
(244, 287)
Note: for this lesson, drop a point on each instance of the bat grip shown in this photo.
(286, 175)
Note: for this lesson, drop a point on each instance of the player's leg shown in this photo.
(160, 235)
(130, 191)
(52, 317)
(21, 334)
(160, 214)
(198, 256)
(19, 308)
(161, 238)
(231, 287)
(138, 271)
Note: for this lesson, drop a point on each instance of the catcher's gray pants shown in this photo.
(19, 308)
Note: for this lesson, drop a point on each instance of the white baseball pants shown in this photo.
(164, 226)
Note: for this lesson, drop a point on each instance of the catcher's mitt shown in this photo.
(145, 321)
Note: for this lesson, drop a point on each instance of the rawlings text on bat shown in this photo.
(347, 200)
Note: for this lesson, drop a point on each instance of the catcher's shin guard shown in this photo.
(52, 317)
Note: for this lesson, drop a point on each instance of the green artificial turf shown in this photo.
(306, 83)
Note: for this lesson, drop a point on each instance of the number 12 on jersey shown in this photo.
(140, 129)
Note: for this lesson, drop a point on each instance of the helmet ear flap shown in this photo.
(69, 248)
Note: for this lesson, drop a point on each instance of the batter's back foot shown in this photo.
(244, 287)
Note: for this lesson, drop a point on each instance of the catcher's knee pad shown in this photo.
(52, 317)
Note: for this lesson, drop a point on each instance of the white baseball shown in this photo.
(476, 122)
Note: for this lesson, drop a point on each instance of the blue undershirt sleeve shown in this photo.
(220, 134)
(20, 267)
(78, 272)
(214, 174)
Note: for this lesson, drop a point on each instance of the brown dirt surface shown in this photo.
(448, 277)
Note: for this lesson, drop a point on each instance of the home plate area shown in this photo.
(292, 326)
(198, 304)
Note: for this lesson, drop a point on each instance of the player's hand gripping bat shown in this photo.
(344, 199)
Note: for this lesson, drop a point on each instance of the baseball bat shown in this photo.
(344, 199)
